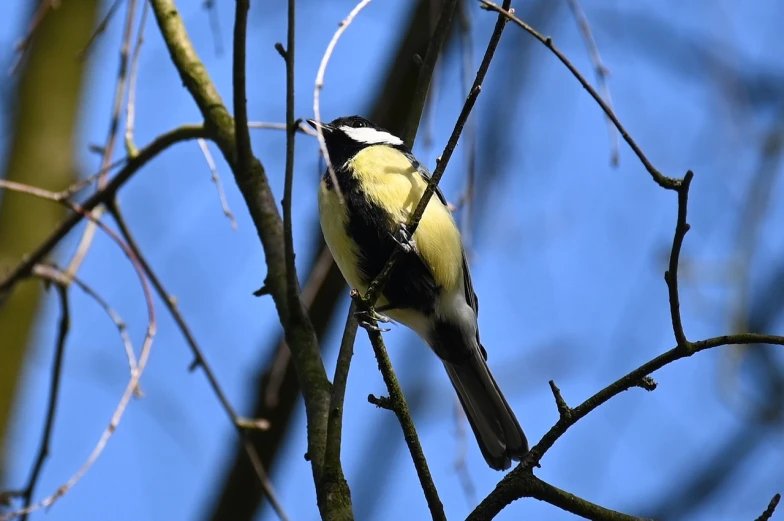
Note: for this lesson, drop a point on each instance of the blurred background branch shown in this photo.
(41, 153)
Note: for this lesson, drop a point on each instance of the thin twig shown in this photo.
(114, 126)
(668, 183)
(601, 73)
(251, 178)
(54, 389)
(244, 150)
(130, 108)
(205, 149)
(671, 275)
(512, 487)
(267, 126)
(564, 411)
(35, 23)
(377, 286)
(397, 402)
(55, 273)
(320, 85)
(302, 129)
(346, 352)
(136, 372)
(292, 284)
(100, 28)
(158, 145)
(80, 185)
(242, 424)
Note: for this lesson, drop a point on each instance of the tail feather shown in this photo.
(495, 426)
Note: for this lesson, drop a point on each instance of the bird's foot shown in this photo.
(368, 320)
(404, 240)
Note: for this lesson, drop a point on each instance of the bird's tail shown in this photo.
(494, 423)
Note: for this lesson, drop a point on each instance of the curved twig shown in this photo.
(320, 85)
(158, 145)
(122, 84)
(136, 371)
(668, 183)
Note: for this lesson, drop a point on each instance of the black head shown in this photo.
(348, 135)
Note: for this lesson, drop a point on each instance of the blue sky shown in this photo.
(567, 260)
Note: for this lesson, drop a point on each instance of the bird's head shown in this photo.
(348, 135)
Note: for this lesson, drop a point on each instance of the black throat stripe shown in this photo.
(411, 284)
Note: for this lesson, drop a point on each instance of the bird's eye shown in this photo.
(360, 124)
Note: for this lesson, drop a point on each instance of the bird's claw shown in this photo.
(368, 319)
(404, 240)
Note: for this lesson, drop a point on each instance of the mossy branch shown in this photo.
(252, 181)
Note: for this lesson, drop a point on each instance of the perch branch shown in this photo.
(374, 290)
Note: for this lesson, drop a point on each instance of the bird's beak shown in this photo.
(325, 127)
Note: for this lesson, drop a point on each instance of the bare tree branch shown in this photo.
(136, 370)
(130, 107)
(377, 285)
(274, 383)
(158, 145)
(205, 149)
(121, 85)
(240, 423)
(515, 485)
(233, 140)
(665, 182)
(397, 401)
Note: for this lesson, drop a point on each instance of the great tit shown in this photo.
(429, 290)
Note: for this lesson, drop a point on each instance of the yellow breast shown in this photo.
(392, 182)
(333, 216)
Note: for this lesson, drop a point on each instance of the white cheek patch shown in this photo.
(371, 136)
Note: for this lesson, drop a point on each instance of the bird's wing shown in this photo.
(472, 300)
(470, 295)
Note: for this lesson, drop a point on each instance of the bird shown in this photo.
(379, 185)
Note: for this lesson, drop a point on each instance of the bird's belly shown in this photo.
(414, 320)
